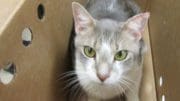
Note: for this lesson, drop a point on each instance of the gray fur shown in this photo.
(119, 10)
(107, 34)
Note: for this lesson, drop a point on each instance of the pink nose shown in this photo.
(102, 77)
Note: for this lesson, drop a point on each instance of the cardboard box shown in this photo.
(40, 64)
(164, 35)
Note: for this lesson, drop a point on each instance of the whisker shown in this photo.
(71, 80)
(74, 81)
(74, 90)
(127, 79)
(128, 85)
(66, 74)
(77, 91)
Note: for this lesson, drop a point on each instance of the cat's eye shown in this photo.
(121, 55)
(89, 52)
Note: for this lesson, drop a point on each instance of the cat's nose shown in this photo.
(103, 77)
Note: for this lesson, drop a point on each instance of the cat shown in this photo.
(107, 48)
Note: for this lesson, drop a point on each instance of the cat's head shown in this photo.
(108, 54)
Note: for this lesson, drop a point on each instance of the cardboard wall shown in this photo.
(165, 41)
(40, 64)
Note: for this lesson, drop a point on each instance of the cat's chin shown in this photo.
(105, 96)
(103, 92)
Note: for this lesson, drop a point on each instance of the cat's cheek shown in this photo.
(116, 73)
(90, 70)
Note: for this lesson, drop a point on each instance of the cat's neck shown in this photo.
(85, 97)
(120, 98)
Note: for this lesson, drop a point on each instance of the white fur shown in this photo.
(111, 86)
(27, 34)
(107, 37)
(5, 77)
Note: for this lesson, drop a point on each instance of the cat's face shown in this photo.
(108, 54)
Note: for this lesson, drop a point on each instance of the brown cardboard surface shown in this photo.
(7, 9)
(165, 40)
(144, 4)
(148, 92)
(40, 64)
(148, 87)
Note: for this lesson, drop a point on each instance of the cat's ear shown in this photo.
(136, 25)
(83, 20)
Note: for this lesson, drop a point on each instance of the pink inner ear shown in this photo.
(78, 23)
(137, 24)
(78, 20)
(82, 18)
(137, 35)
(81, 24)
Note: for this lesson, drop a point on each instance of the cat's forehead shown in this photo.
(107, 28)
(108, 31)
(108, 25)
(110, 34)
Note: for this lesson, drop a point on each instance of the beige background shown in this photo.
(165, 40)
(40, 64)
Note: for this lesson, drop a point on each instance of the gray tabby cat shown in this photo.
(109, 48)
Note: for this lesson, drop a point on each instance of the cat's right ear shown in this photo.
(83, 20)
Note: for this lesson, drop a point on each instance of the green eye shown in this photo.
(121, 55)
(89, 52)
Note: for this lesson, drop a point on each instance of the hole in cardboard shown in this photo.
(26, 37)
(160, 81)
(163, 98)
(7, 73)
(41, 11)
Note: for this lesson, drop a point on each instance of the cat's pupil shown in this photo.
(90, 50)
(120, 54)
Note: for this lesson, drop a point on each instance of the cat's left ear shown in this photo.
(136, 25)
(84, 22)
